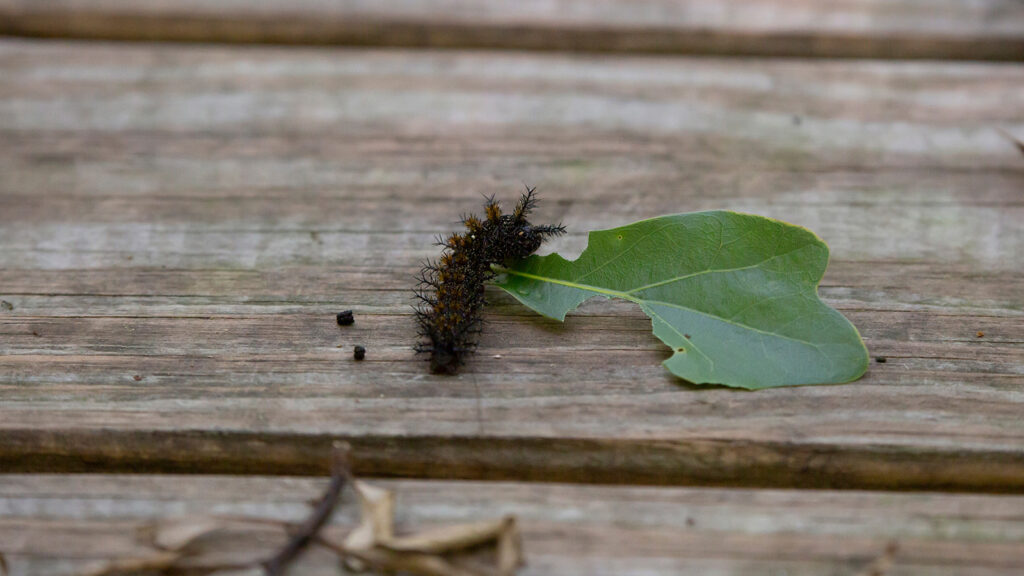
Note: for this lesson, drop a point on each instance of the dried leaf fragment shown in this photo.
(175, 535)
(376, 525)
(431, 552)
(154, 564)
(880, 566)
(446, 538)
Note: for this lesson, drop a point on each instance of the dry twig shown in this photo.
(1016, 141)
(305, 534)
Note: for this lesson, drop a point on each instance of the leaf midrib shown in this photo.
(641, 302)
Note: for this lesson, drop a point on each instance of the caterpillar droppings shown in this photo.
(451, 290)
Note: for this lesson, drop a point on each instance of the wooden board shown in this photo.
(181, 224)
(977, 30)
(57, 525)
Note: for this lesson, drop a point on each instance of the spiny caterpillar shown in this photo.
(451, 290)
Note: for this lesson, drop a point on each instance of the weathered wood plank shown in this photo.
(937, 219)
(854, 286)
(784, 114)
(54, 525)
(194, 217)
(980, 30)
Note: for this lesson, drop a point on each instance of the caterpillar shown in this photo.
(450, 293)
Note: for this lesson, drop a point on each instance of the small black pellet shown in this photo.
(880, 359)
(359, 353)
(346, 318)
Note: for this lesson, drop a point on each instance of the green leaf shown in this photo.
(734, 295)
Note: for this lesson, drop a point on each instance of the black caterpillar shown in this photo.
(451, 290)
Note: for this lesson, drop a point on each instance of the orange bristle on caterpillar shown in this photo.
(451, 290)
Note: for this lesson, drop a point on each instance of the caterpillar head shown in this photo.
(511, 236)
(522, 238)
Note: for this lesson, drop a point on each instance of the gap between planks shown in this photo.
(636, 461)
(890, 29)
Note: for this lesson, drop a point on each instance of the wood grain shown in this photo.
(944, 29)
(55, 525)
(180, 225)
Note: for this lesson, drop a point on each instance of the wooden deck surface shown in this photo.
(180, 223)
